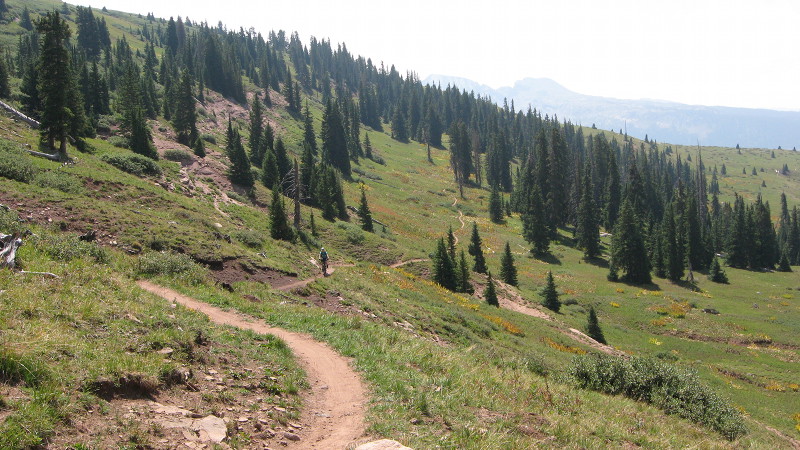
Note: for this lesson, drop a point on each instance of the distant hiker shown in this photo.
(323, 257)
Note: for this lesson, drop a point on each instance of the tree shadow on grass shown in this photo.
(548, 258)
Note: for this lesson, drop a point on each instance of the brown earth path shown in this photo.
(333, 416)
(403, 263)
(514, 301)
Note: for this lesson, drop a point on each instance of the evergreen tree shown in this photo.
(184, 116)
(451, 243)
(463, 275)
(62, 108)
(269, 170)
(399, 130)
(334, 141)
(25, 19)
(550, 294)
(490, 294)
(628, 252)
(199, 148)
(593, 327)
(495, 206)
(460, 155)
(309, 137)
(534, 225)
(282, 158)
(278, 220)
(737, 243)
(239, 170)
(475, 249)
(715, 272)
(134, 124)
(363, 212)
(508, 273)
(587, 231)
(783, 264)
(367, 147)
(443, 270)
(673, 253)
(256, 131)
(5, 89)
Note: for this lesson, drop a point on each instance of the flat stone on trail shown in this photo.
(291, 436)
(214, 426)
(383, 444)
(169, 409)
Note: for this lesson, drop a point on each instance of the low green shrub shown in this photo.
(15, 163)
(9, 222)
(134, 164)
(208, 137)
(250, 238)
(177, 155)
(157, 263)
(119, 142)
(675, 390)
(59, 180)
(67, 247)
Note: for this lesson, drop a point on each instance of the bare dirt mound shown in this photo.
(334, 411)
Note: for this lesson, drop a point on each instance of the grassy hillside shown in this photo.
(444, 370)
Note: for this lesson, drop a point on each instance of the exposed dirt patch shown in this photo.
(736, 341)
(334, 412)
(231, 271)
(215, 400)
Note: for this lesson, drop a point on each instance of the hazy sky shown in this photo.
(705, 52)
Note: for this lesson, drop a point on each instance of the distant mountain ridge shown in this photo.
(664, 121)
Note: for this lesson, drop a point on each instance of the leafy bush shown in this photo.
(66, 247)
(57, 179)
(119, 142)
(208, 137)
(674, 390)
(134, 164)
(250, 238)
(15, 164)
(156, 263)
(177, 155)
(9, 222)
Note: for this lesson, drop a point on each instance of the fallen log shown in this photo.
(8, 253)
(33, 123)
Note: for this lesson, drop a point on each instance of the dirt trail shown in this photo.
(515, 302)
(460, 219)
(334, 410)
(403, 263)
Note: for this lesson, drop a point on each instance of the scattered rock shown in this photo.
(291, 436)
(383, 444)
(710, 311)
(214, 426)
(166, 351)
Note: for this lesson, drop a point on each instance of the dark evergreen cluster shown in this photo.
(662, 212)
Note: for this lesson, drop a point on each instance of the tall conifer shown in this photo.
(475, 249)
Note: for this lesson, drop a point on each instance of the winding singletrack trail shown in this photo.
(403, 263)
(333, 417)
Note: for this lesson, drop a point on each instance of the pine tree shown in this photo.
(495, 206)
(451, 243)
(5, 89)
(363, 212)
(673, 254)
(256, 131)
(715, 272)
(269, 170)
(783, 264)
(334, 142)
(278, 220)
(308, 131)
(508, 273)
(490, 294)
(62, 107)
(184, 116)
(199, 148)
(587, 231)
(282, 158)
(476, 251)
(25, 19)
(550, 294)
(593, 327)
(239, 170)
(134, 124)
(463, 275)
(628, 252)
(534, 225)
(367, 147)
(443, 270)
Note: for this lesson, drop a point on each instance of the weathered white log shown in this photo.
(33, 123)
(8, 252)
(50, 156)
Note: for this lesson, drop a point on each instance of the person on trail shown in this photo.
(323, 257)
